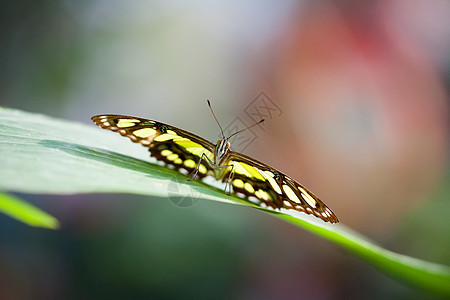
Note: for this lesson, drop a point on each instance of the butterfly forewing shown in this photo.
(166, 143)
(262, 184)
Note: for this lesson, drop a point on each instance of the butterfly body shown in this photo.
(247, 177)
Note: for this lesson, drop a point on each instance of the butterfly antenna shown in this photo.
(209, 104)
(246, 128)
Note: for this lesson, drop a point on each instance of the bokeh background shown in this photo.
(362, 93)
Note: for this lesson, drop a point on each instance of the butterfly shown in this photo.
(247, 177)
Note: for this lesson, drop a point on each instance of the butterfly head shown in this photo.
(222, 147)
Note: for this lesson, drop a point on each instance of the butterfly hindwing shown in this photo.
(166, 143)
(260, 183)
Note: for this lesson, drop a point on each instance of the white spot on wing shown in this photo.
(254, 200)
(166, 152)
(189, 163)
(164, 137)
(144, 132)
(124, 123)
(238, 183)
(274, 184)
(310, 200)
(290, 193)
(172, 156)
(249, 188)
(287, 204)
(202, 169)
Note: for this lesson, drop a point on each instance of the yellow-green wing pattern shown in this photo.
(263, 185)
(166, 143)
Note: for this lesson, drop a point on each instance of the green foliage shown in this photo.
(25, 212)
(49, 156)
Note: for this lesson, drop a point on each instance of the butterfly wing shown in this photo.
(166, 143)
(262, 184)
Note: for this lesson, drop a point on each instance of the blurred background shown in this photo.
(356, 103)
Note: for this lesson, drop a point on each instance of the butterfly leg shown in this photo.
(195, 172)
(229, 180)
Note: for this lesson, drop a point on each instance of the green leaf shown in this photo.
(413, 271)
(49, 156)
(26, 213)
